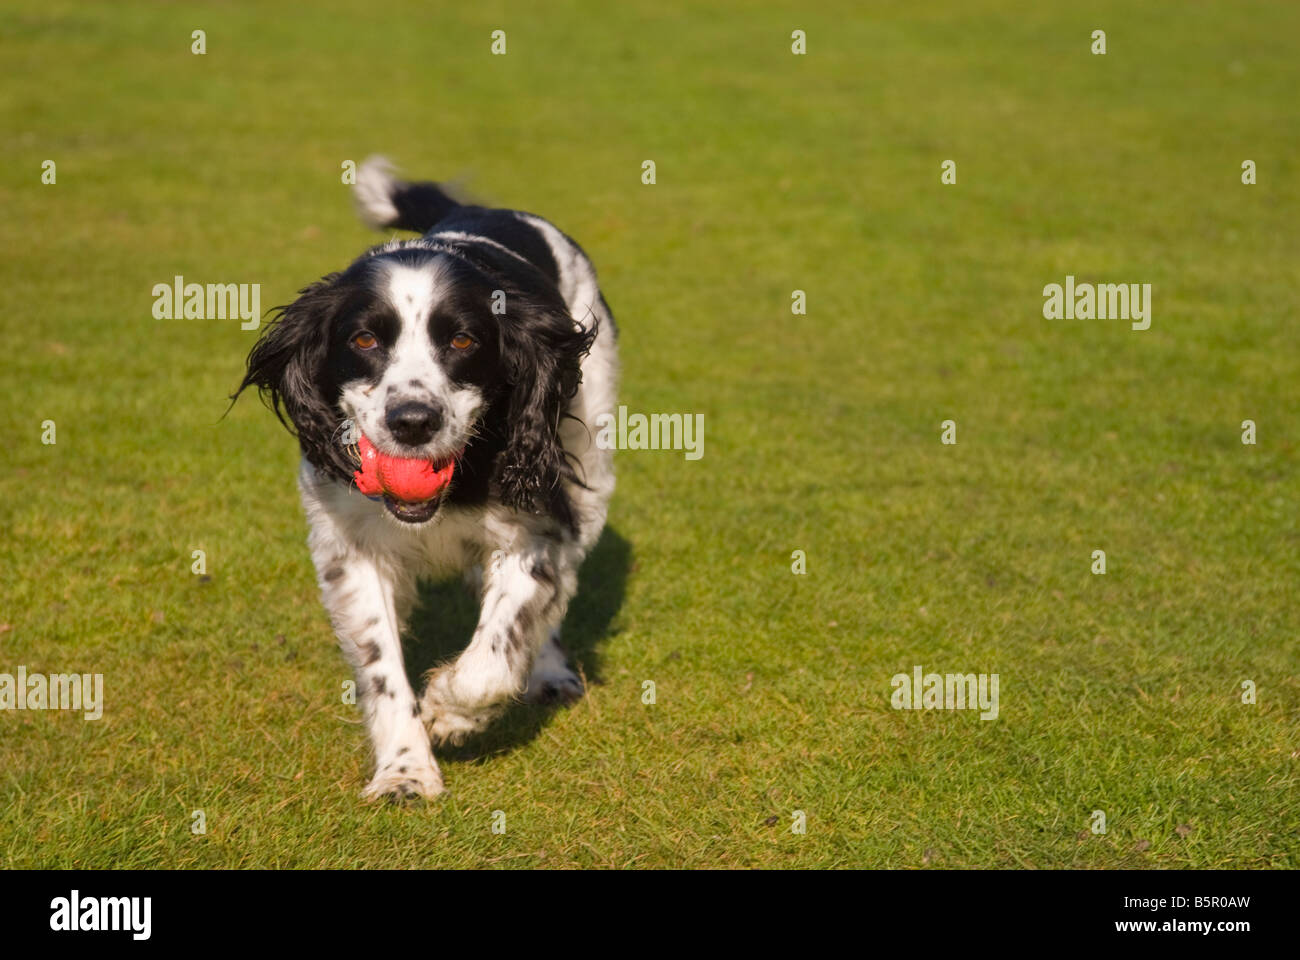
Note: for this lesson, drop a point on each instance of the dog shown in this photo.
(476, 357)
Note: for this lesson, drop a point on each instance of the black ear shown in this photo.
(541, 350)
(287, 366)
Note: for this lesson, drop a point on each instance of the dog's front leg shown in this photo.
(362, 603)
(525, 595)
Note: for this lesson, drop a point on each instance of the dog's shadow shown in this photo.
(447, 612)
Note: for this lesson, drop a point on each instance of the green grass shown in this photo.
(1119, 693)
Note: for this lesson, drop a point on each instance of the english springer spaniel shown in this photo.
(468, 365)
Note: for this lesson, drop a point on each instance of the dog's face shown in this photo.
(433, 353)
(415, 363)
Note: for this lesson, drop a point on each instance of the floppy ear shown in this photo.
(541, 350)
(287, 366)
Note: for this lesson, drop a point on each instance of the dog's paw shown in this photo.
(400, 780)
(452, 727)
(551, 680)
(553, 685)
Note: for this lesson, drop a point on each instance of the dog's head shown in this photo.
(434, 352)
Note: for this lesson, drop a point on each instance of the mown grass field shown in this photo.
(775, 172)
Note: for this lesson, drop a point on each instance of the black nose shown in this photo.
(413, 423)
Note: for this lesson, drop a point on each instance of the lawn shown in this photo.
(775, 172)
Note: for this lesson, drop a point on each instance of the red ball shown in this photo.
(402, 478)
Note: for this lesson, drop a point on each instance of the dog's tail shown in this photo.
(384, 201)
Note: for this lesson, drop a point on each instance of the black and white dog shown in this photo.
(485, 347)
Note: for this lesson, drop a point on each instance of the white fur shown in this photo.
(373, 192)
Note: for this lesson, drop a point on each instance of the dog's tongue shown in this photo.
(402, 478)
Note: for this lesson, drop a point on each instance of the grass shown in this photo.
(775, 172)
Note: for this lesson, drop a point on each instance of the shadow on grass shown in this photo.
(447, 613)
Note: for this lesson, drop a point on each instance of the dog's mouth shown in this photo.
(411, 489)
(421, 511)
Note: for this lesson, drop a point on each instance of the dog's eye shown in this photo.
(462, 341)
(365, 340)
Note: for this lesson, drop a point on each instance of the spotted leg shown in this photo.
(362, 601)
(525, 594)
